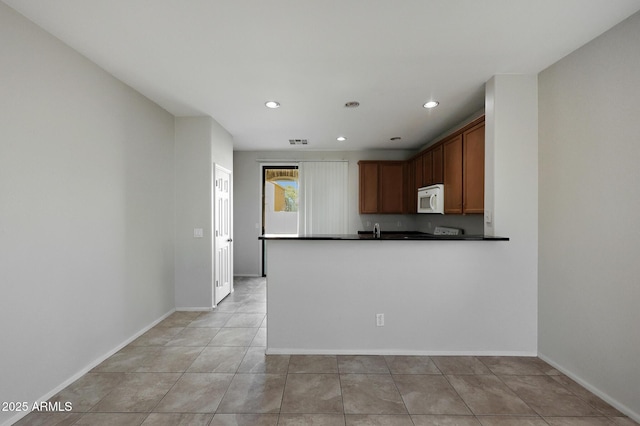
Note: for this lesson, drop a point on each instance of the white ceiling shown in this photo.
(225, 58)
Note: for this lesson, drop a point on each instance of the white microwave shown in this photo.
(431, 199)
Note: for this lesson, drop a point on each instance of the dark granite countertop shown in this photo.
(385, 236)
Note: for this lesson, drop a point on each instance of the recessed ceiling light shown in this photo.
(272, 104)
(352, 104)
(395, 138)
(431, 104)
(341, 138)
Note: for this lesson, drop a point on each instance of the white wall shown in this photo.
(86, 212)
(437, 297)
(193, 260)
(511, 184)
(511, 161)
(199, 143)
(221, 146)
(247, 199)
(507, 271)
(589, 204)
(511, 178)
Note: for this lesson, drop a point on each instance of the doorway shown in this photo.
(279, 202)
(222, 284)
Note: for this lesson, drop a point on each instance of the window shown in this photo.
(280, 200)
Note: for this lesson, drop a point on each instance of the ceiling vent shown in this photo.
(298, 141)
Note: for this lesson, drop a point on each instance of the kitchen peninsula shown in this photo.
(352, 294)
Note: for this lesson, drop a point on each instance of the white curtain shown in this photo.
(323, 197)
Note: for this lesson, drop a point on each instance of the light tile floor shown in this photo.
(198, 368)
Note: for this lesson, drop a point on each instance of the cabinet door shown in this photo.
(391, 182)
(409, 179)
(452, 154)
(438, 176)
(368, 187)
(473, 170)
(417, 163)
(409, 204)
(414, 183)
(427, 168)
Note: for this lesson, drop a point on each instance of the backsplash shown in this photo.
(472, 224)
(388, 222)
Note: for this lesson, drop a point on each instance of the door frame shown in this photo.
(215, 168)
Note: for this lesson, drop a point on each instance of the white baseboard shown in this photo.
(248, 275)
(606, 398)
(392, 352)
(89, 367)
(194, 309)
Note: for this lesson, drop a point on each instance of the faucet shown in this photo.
(376, 230)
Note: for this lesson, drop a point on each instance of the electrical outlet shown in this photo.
(198, 233)
(380, 320)
(488, 217)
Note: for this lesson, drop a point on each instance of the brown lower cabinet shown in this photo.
(382, 186)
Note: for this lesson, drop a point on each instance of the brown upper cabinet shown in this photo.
(464, 171)
(382, 186)
(437, 164)
(417, 172)
(427, 168)
(473, 170)
(423, 170)
(452, 150)
(368, 187)
(457, 161)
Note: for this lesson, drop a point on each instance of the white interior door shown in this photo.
(222, 235)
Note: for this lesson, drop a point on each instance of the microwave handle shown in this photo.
(432, 203)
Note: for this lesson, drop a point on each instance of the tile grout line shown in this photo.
(456, 392)
(395, 385)
(502, 379)
(344, 411)
(511, 390)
